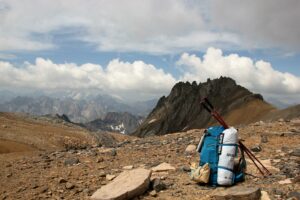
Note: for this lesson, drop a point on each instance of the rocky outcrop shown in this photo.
(181, 110)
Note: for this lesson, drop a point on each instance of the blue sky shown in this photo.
(142, 48)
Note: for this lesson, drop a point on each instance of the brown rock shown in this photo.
(238, 193)
(127, 185)
(153, 193)
(190, 149)
(69, 186)
(128, 167)
(265, 196)
(110, 177)
(163, 167)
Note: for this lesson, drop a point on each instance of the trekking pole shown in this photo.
(210, 108)
(264, 171)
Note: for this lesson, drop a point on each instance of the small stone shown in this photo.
(264, 139)
(8, 165)
(93, 153)
(69, 185)
(185, 168)
(295, 195)
(190, 149)
(62, 180)
(44, 189)
(102, 174)
(71, 161)
(153, 193)
(4, 126)
(9, 175)
(264, 196)
(110, 177)
(99, 160)
(86, 191)
(128, 167)
(158, 185)
(276, 160)
(296, 179)
(280, 120)
(256, 148)
(296, 152)
(286, 181)
(113, 152)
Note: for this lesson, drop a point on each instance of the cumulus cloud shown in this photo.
(140, 81)
(124, 79)
(260, 24)
(151, 26)
(257, 76)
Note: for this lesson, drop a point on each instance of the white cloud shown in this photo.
(257, 76)
(151, 26)
(139, 81)
(128, 80)
(260, 24)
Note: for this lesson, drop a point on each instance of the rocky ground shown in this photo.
(78, 173)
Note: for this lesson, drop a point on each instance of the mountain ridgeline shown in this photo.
(181, 110)
(78, 110)
(116, 122)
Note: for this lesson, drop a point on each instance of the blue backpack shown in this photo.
(209, 149)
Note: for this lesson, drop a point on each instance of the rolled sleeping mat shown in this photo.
(226, 158)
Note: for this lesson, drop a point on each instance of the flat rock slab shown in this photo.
(127, 185)
(238, 193)
(163, 167)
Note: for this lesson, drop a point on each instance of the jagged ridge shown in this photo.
(181, 110)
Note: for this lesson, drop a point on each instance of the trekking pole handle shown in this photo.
(206, 107)
(208, 102)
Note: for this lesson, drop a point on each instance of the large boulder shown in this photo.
(127, 185)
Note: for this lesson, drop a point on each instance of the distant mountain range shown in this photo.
(79, 107)
(125, 123)
(179, 111)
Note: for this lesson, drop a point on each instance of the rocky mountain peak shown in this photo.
(181, 110)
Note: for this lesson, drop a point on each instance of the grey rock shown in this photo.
(264, 139)
(113, 152)
(153, 193)
(158, 185)
(185, 168)
(296, 152)
(256, 148)
(238, 193)
(294, 194)
(71, 161)
(62, 180)
(69, 185)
